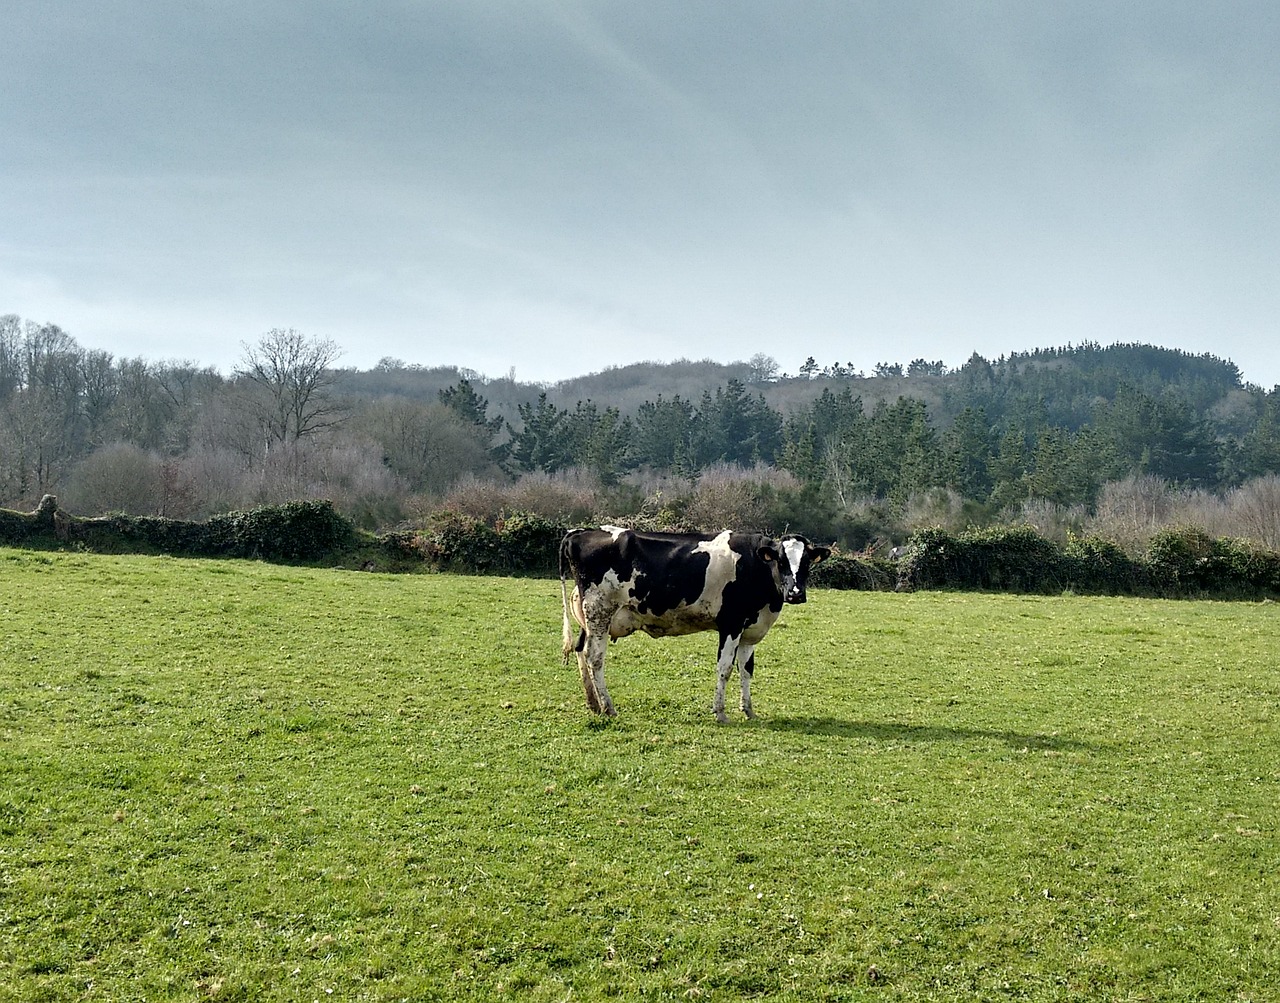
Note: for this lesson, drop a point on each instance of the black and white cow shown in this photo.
(678, 583)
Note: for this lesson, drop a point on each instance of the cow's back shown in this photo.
(660, 570)
(668, 583)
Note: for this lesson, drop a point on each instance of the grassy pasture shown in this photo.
(230, 780)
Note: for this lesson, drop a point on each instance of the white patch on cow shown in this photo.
(602, 600)
(721, 570)
(614, 531)
(718, 547)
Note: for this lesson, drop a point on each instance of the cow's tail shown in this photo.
(567, 635)
(568, 626)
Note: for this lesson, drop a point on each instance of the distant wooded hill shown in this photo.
(1053, 424)
(1070, 381)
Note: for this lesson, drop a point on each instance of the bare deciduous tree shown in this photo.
(10, 355)
(1130, 510)
(731, 497)
(1256, 507)
(292, 376)
(119, 477)
(426, 443)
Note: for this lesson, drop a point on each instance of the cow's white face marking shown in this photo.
(794, 549)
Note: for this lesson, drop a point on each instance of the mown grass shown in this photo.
(228, 780)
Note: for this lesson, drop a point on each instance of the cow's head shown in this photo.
(793, 556)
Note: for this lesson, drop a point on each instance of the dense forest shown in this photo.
(828, 450)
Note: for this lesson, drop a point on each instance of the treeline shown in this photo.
(828, 450)
(177, 439)
(1055, 425)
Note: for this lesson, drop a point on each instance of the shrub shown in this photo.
(569, 497)
(475, 497)
(1132, 511)
(1256, 509)
(1129, 511)
(1015, 560)
(943, 507)
(118, 477)
(530, 543)
(841, 571)
(1235, 566)
(1051, 520)
(350, 475)
(732, 497)
(1092, 564)
(298, 530)
(866, 520)
(1175, 555)
(520, 544)
(453, 541)
(403, 544)
(809, 510)
(657, 513)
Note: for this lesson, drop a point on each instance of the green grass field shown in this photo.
(230, 780)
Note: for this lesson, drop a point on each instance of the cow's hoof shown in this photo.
(722, 717)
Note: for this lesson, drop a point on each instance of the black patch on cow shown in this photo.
(670, 571)
(666, 569)
(752, 589)
(682, 584)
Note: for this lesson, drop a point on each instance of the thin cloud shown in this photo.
(460, 183)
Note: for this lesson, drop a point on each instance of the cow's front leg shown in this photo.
(746, 670)
(724, 666)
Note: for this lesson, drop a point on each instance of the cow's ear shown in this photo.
(819, 554)
(767, 552)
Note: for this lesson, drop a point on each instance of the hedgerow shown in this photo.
(1180, 562)
(297, 531)
(25, 528)
(1196, 563)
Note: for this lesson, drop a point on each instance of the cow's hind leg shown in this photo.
(746, 670)
(591, 662)
(588, 682)
(724, 667)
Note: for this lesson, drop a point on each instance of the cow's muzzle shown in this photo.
(795, 596)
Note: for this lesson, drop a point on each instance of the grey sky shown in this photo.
(559, 187)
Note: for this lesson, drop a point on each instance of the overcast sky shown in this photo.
(558, 187)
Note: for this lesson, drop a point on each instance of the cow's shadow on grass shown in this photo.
(889, 732)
